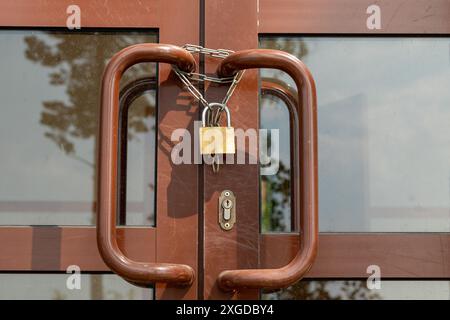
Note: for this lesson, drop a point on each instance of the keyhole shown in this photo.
(227, 204)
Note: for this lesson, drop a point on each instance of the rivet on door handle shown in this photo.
(136, 272)
(305, 191)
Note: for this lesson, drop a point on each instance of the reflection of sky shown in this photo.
(272, 113)
(33, 167)
(384, 140)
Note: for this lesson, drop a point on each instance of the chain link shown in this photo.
(187, 78)
(200, 77)
(191, 88)
(217, 53)
(233, 86)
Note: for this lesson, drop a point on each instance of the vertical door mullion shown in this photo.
(232, 24)
(177, 185)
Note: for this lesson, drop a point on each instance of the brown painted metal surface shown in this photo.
(113, 13)
(55, 248)
(341, 256)
(349, 16)
(305, 147)
(414, 255)
(137, 272)
(177, 211)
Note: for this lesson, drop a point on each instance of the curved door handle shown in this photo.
(304, 179)
(140, 273)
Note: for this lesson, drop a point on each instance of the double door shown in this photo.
(314, 199)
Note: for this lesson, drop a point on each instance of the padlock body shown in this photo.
(217, 140)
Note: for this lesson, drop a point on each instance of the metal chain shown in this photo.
(200, 77)
(191, 88)
(217, 53)
(187, 77)
(233, 86)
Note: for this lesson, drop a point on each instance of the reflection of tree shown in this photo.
(77, 61)
(327, 290)
(275, 188)
(296, 47)
(276, 191)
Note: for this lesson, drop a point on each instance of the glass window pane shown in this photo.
(49, 124)
(357, 290)
(140, 180)
(25, 286)
(275, 184)
(383, 116)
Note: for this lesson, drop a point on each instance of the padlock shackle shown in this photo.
(216, 104)
(304, 169)
(140, 273)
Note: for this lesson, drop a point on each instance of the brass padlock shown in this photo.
(217, 140)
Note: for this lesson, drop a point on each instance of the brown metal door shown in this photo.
(53, 231)
(375, 219)
(232, 260)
